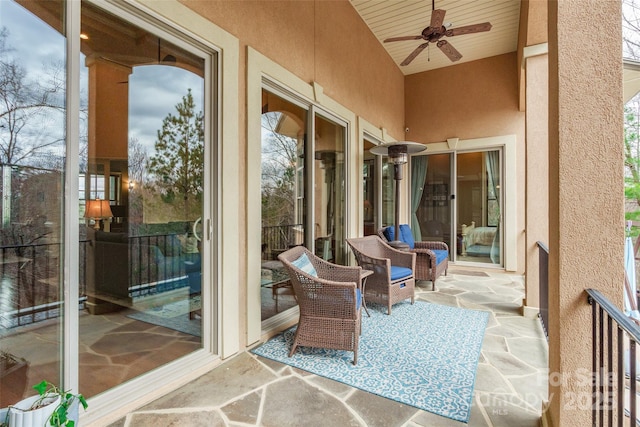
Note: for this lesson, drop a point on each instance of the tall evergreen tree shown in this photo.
(177, 163)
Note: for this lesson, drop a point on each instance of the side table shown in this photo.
(363, 280)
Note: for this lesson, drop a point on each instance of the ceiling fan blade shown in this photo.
(468, 29)
(397, 39)
(415, 53)
(449, 50)
(437, 16)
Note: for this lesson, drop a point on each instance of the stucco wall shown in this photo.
(308, 39)
(472, 100)
(537, 173)
(585, 185)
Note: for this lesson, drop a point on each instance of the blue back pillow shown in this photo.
(405, 235)
(304, 263)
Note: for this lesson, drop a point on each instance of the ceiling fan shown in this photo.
(435, 31)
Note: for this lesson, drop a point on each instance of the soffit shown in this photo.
(631, 79)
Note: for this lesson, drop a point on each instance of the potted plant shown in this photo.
(50, 407)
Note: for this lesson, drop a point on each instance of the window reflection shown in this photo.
(329, 191)
(283, 202)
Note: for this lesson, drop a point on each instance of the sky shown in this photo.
(153, 90)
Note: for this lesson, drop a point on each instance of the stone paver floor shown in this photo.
(247, 390)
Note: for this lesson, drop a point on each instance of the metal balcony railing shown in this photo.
(30, 282)
(30, 277)
(615, 340)
(278, 238)
(543, 283)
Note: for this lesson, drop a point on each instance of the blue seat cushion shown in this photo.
(406, 235)
(441, 255)
(400, 272)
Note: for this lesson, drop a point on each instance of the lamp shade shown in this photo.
(97, 209)
(389, 147)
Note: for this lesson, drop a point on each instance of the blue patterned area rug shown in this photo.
(424, 355)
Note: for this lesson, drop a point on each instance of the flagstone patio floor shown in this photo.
(248, 390)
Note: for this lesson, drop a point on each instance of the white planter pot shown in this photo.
(21, 416)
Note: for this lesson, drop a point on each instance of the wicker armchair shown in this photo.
(330, 301)
(428, 254)
(392, 280)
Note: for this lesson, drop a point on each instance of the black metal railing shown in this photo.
(278, 238)
(543, 283)
(30, 282)
(614, 335)
(127, 267)
(156, 264)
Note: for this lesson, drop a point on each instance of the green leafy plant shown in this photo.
(48, 392)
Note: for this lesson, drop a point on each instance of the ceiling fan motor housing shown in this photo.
(432, 35)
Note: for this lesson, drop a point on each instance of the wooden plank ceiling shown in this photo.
(394, 18)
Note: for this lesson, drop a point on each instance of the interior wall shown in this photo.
(308, 39)
(472, 100)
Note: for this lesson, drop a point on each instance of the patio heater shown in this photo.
(398, 154)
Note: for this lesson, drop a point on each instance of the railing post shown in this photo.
(603, 346)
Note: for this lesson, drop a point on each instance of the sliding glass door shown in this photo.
(102, 205)
(329, 190)
(302, 190)
(32, 163)
(435, 210)
(283, 189)
(479, 213)
(143, 166)
(460, 203)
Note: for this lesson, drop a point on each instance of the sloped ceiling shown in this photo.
(393, 18)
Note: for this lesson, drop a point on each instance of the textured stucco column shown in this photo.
(586, 220)
(537, 200)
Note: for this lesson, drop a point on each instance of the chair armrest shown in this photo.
(337, 273)
(431, 245)
(401, 258)
(378, 265)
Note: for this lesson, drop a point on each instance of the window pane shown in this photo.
(479, 206)
(283, 203)
(142, 158)
(369, 188)
(329, 192)
(32, 150)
